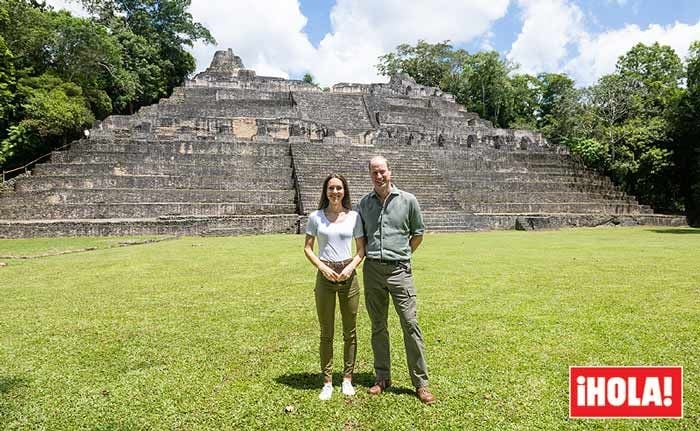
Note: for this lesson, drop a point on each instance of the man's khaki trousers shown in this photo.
(394, 279)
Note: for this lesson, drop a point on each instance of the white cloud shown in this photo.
(72, 6)
(554, 39)
(549, 29)
(598, 54)
(268, 34)
(362, 30)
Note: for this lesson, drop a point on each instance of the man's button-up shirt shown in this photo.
(389, 225)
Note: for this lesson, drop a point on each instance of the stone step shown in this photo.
(536, 221)
(165, 168)
(361, 162)
(183, 147)
(533, 186)
(476, 166)
(527, 177)
(39, 210)
(560, 171)
(559, 207)
(290, 224)
(336, 111)
(134, 195)
(204, 159)
(269, 223)
(171, 115)
(468, 196)
(39, 183)
(196, 94)
(361, 169)
(405, 177)
(486, 155)
(426, 197)
(218, 129)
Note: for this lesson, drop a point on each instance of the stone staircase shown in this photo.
(413, 170)
(536, 189)
(122, 186)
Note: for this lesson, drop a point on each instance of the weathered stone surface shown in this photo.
(234, 153)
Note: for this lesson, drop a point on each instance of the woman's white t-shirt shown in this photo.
(334, 239)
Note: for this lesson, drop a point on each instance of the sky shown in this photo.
(340, 40)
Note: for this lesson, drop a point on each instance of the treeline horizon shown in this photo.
(639, 125)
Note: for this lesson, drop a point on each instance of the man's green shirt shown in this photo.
(388, 227)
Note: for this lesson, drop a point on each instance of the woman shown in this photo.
(335, 224)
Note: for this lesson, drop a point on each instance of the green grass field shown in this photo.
(221, 333)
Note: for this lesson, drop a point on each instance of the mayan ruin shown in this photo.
(234, 153)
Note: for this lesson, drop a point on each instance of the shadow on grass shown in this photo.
(678, 231)
(313, 380)
(7, 384)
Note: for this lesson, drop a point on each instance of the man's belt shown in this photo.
(388, 262)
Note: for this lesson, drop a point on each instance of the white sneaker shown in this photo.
(326, 392)
(347, 388)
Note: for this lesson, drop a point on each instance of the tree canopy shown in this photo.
(58, 73)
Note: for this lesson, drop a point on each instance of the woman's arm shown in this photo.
(309, 252)
(359, 255)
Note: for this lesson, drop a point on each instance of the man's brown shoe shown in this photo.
(425, 396)
(379, 387)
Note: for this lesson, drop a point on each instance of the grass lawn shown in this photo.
(221, 333)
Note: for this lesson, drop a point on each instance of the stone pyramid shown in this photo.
(231, 153)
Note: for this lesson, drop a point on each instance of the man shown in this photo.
(394, 229)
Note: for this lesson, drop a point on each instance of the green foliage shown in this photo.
(7, 74)
(55, 108)
(309, 79)
(632, 112)
(485, 86)
(686, 137)
(20, 136)
(165, 25)
(559, 107)
(524, 102)
(52, 109)
(58, 72)
(143, 80)
(434, 65)
(29, 34)
(591, 151)
(653, 73)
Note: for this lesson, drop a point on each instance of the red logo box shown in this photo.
(625, 392)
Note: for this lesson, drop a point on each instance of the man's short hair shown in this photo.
(377, 159)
